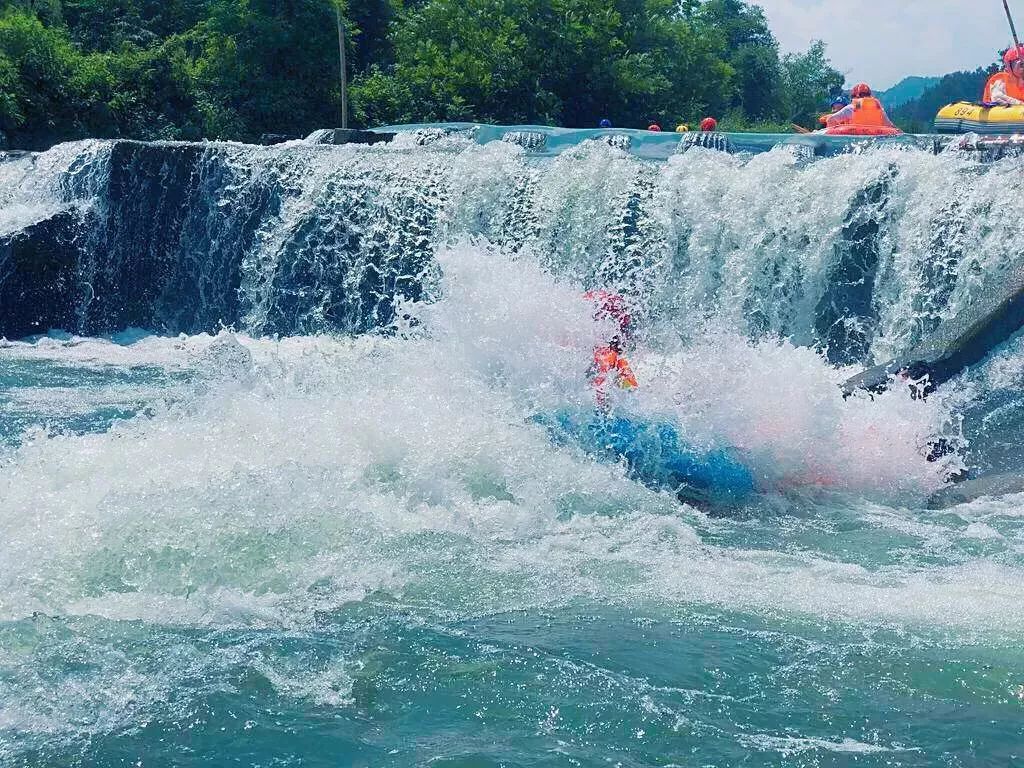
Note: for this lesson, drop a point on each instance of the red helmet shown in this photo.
(611, 306)
(1013, 54)
(653, 127)
(860, 91)
(708, 124)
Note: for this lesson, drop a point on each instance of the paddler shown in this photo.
(863, 111)
(609, 365)
(1007, 87)
(837, 103)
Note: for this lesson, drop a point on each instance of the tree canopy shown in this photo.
(918, 115)
(234, 69)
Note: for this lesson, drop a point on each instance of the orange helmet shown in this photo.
(1013, 54)
(860, 91)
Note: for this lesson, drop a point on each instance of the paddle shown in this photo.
(1009, 18)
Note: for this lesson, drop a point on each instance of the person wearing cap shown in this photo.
(1007, 87)
(837, 103)
(864, 111)
(610, 366)
(708, 124)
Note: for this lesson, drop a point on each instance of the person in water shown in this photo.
(609, 366)
(708, 124)
(1007, 87)
(863, 111)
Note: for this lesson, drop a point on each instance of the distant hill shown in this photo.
(917, 115)
(907, 89)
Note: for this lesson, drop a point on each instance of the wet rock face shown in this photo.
(161, 241)
(339, 136)
(181, 237)
(190, 237)
(846, 318)
(38, 284)
(129, 236)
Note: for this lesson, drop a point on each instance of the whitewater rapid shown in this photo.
(333, 546)
(286, 465)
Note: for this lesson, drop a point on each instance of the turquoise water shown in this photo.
(589, 684)
(335, 534)
(58, 397)
(545, 140)
(326, 551)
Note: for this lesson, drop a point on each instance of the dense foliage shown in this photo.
(918, 116)
(191, 69)
(906, 90)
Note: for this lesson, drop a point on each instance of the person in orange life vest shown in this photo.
(864, 110)
(1007, 87)
(609, 365)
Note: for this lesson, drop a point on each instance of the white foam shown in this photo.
(792, 745)
(322, 470)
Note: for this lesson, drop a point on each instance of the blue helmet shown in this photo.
(839, 101)
(605, 123)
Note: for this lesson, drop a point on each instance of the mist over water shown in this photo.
(362, 548)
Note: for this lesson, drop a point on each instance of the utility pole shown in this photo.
(344, 73)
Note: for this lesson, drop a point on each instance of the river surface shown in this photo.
(333, 533)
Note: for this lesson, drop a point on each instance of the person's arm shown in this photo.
(999, 95)
(843, 117)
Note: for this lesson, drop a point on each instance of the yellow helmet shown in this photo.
(682, 128)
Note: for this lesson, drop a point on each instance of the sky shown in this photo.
(882, 41)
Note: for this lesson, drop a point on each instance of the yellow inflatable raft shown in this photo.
(965, 117)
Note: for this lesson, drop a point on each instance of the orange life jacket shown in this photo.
(608, 362)
(1012, 86)
(867, 112)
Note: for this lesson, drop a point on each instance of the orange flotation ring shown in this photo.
(865, 116)
(863, 130)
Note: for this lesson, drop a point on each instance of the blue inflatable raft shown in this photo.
(655, 455)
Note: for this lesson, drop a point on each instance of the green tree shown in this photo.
(155, 97)
(752, 52)
(809, 81)
(553, 61)
(47, 11)
(919, 115)
(106, 25)
(238, 68)
(266, 66)
(57, 92)
(10, 110)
